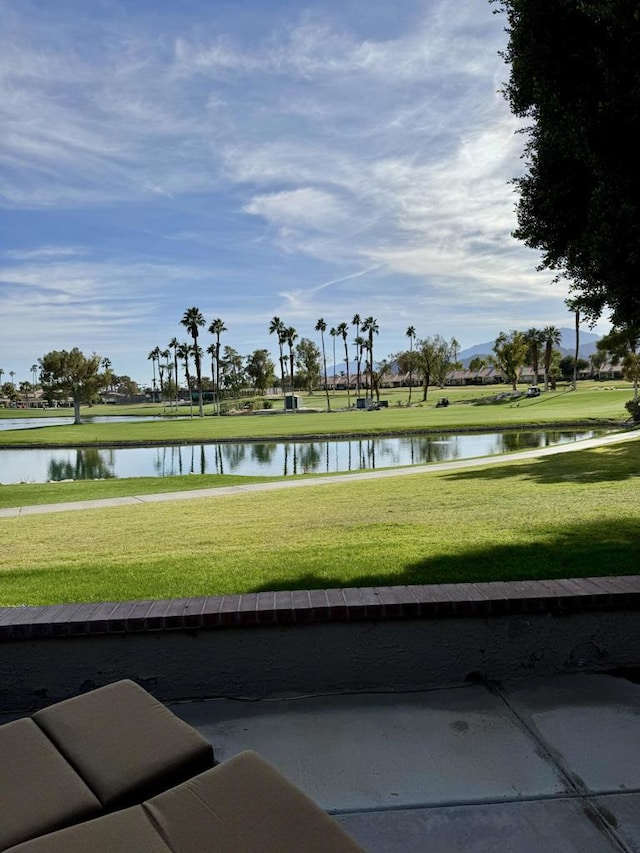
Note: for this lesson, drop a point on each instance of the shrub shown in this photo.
(633, 407)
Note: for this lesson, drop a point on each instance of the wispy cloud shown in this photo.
(43, 253)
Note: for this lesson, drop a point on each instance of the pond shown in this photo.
(269, 458)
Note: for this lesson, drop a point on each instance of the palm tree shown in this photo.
(552, 337)
(290, 336)
(211, 349)
(411, 334)
(360, 345)
(1, 375)
(334, 335)
(184, 351)
(12, 373)
(343, 329)
(193, 320)
(356, 322)
(154, 356)
(174, 343)
(162, 366)
(277, 327)
(216, 328)
(370, 326)
(169, 366)
(575, 307)
(321, 327)
(535, 339)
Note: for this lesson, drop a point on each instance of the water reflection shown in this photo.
(89, 464)
(268, 458)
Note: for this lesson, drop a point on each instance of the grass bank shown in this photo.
(469, 410)
(31, 494)
(565, 515)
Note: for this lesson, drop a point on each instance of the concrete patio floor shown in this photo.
(521, 766)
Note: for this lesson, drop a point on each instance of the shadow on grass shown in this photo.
(610, 547)
(615, 462)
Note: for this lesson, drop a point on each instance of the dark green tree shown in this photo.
(430, 355)
(260, 369)
(570, 367)
(575, 76)
(72, 374)
(621, 345)
(308, 363)
(509, 355)
(233, 374)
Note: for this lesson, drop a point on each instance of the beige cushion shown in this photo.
(124, 743)
(128, 831)
(245, 805)
(39, 791)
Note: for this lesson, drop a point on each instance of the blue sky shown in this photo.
(256, 158)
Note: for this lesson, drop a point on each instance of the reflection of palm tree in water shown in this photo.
(263, 453)
(234, 454)
(219, 460)
(160, 462)
(511, 441)
(294, 459)
(309, 458)
(90, 464)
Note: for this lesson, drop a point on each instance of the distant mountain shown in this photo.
(567, 346)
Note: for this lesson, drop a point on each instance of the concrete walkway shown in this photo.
(541, 764)
(102, 503)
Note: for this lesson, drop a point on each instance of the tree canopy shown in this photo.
(575, 74)
(74, 375)
(509, 355)
(260, 369)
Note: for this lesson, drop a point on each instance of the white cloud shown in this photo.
(306, 207)
(43, 252)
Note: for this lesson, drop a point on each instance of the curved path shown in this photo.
(223, 491)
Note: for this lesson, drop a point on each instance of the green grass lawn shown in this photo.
(591, 402)
(30, 494)
(572, 514)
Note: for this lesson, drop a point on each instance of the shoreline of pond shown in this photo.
(585, 423)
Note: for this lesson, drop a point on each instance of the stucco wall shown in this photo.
(281, 660)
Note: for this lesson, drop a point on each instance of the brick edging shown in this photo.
(315, 606)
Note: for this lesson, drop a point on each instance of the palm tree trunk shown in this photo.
(346, 358)
(218, 373)
(324, 362)
(293, 405)
(575, 364)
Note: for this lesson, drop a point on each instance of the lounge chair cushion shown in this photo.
(39, 791)
(127, 831)
(124, 743)
(245, 806)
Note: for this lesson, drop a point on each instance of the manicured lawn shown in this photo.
(28, 494)
(574, 514)
(589, 403)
